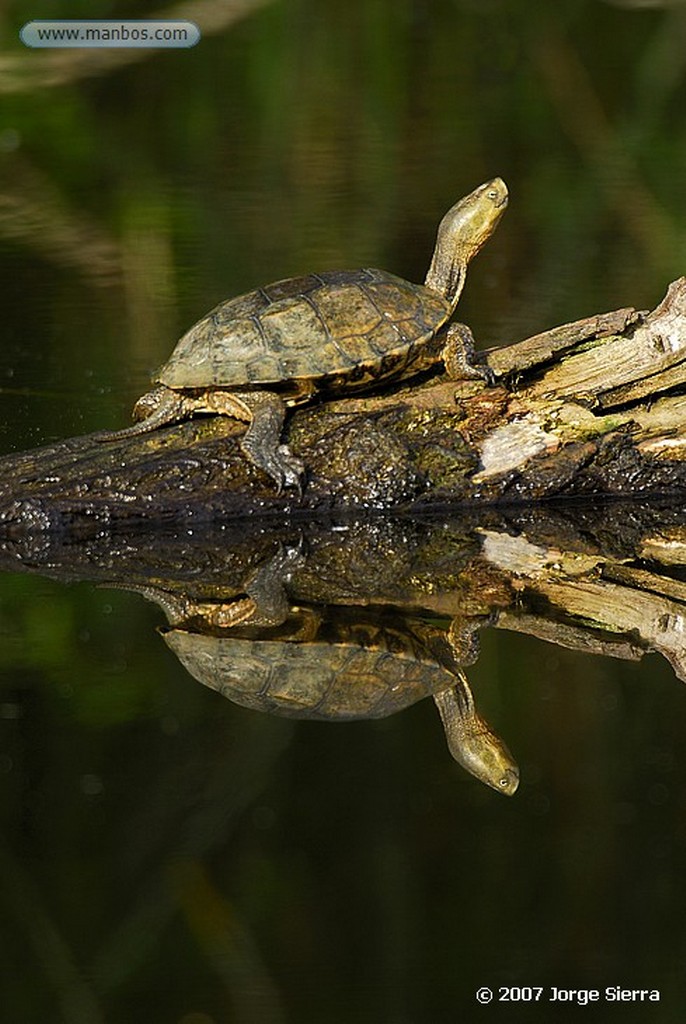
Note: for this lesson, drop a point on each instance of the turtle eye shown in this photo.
(492, 194)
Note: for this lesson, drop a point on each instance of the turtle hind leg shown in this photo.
(154, 409)
(265, 412)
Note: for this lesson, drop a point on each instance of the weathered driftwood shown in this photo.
(590, 408)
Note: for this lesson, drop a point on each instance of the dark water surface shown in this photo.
(166, 855)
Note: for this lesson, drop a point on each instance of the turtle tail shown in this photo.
(155, 409)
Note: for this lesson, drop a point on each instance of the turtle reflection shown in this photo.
(337, 665)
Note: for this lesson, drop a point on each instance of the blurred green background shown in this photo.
(166, 856)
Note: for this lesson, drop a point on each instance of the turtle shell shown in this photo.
(313, 680)
(337, 329)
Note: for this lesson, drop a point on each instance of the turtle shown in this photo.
(334, 332)
(345, 682)
(354, 665)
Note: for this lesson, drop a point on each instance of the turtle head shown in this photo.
(491, 762)
(461, 233)
(484, 755)
(471, 740)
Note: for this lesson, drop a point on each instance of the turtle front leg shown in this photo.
(460, 357)
(265, 413)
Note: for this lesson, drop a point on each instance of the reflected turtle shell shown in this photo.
(335, 329)
(308, 680)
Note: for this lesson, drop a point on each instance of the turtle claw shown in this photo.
(279, 463)
(292, 470)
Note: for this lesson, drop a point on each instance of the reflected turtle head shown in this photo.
(486, 757)
(508, 782)
(472, 742)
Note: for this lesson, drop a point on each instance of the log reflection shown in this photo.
(361, 618)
